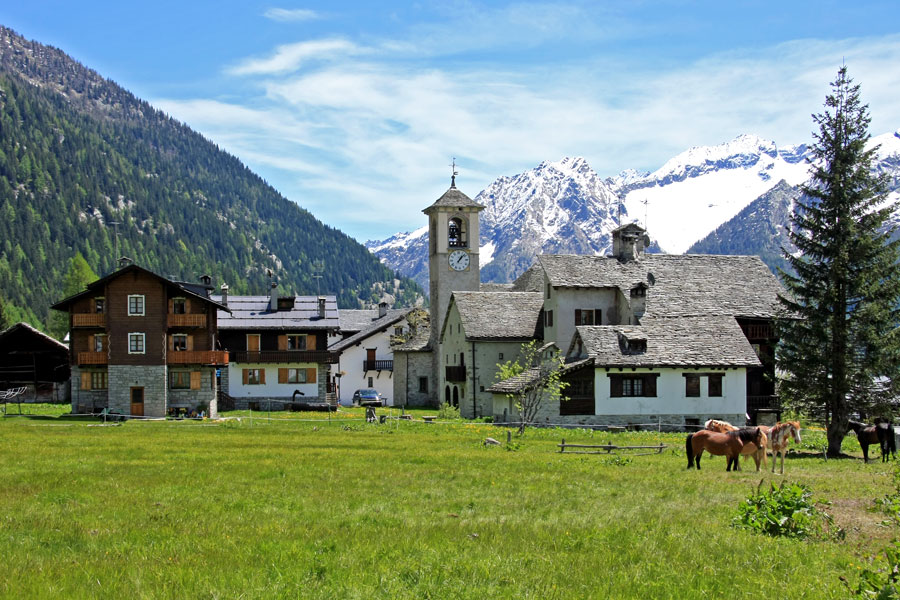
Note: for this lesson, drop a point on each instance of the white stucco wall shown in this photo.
(564, 301)
(670, 394)
(351, 363)
(271, 389)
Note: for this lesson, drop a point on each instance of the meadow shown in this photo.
(306, 507)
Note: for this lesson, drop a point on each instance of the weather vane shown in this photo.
(454, 173)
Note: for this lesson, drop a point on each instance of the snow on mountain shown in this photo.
(701, 188)
(565, 207)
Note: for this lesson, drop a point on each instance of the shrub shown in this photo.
(882, 583)
(448, 412)
(787, 510)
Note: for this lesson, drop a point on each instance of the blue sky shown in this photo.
(354, 110)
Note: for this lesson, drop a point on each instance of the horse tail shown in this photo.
(689, 448)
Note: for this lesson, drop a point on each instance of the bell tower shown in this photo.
(452, 252)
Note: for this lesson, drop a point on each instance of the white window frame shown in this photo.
(143, 339)
(99, 346)
(179, 336)
(143, 305)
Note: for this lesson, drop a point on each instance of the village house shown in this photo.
(33, 365)
(143, 345)
(366, 358)
(277, 347)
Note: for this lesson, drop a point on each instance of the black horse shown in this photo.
(882, 434)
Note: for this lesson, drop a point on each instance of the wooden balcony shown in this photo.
(197, 357)
(763, 402)
(285, 356)
(758, 331)
(197, 320)
(89, 320)
(455, 373)
(92, 358)
(378, 365)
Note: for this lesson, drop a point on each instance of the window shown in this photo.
(99, 342)
(631, 386)
(252, 342)
(587, 316)
(179, 342)
(639, 291)
(99, 380)
(180, 380)
(135, 306)
(179, 306)
(136, 343)
(715, 385)
(296, 341)
(692, 386)
(370, 382)
(548, 318)
(548, 290)
(254, 376)
(398, 330)
(423, 385)
(578, 397)
(500, 356)
(99, 305)
(296, 376)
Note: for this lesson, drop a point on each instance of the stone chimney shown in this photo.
(224, 290)
(629, 242)
(382, 309)
(273, 298)
(321, 307)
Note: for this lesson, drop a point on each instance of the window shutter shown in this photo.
(282, 375)
(195, 379)
(311, 375)
(245, 374)
(311, 342)
(190, 343)
(91, 347)
(597, 315)
(615, 386)
(262, 377)
(577, 317)
(171, 342)
(171, 306)
(650, 386)
(282, 342)
(85, 380)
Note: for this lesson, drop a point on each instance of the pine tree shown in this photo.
(79, 275)
(840, 347)
(4, 320)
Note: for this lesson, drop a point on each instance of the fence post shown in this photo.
(562, 446)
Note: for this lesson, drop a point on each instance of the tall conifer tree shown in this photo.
(840, 345)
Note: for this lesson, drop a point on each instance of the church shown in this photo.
(647, 338)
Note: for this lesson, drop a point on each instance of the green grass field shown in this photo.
(344, 509)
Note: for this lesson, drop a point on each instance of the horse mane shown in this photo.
(746, 435)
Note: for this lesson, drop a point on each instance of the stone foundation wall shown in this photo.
(154, 380)
(193, 399)
(86, 401)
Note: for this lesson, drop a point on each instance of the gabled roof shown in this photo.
(392, 317)
(677, 285)
(38, 339)
(531, 280)
(528, 379)
(189, 290)
(418, 343)
(453, 198)
(498, 315)
(252, 312)
(711, 341)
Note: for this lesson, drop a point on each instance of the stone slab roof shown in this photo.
(252, 312)
(711, 341)
(453, 198)
(496, 287)
(531, 280)
(353, 320)
(528, 379)
(498, 315)
(379, 325)
(419, 343)
(677, 285)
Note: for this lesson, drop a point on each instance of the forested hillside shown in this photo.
(78, 153)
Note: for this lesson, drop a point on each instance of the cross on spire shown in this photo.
(454, 173)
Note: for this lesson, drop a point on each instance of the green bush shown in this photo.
(882, 583)
(448, 412)
(787, 510)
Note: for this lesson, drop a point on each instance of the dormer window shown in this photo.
(456, 233)
(639, 291)
(99, 305)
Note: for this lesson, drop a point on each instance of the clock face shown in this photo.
(459, 260)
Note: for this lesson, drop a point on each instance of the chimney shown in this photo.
(321, 307)
(382, 309)
(125, 262)
(628, 242)
(273, 298)
(224, 289)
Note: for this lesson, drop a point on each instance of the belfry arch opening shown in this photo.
(456, 233)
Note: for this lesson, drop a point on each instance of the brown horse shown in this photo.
(750, 449)
(780, 437)
(881, 434)
(721, 444)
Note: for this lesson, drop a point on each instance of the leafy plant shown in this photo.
(787, 510)
(881, 582)
(448, 412)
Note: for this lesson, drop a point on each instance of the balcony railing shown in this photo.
(378, 365)
(285, 356)
(758, 402)
(759, 331)
(455, 373)
(92, 358)
(188, 320)
(89, 320)
(197, 357)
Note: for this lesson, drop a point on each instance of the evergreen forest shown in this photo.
(86, 167)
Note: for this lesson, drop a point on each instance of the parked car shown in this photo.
(368, 397)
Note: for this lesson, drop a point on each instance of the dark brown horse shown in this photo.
(881, 434)
(727, 444)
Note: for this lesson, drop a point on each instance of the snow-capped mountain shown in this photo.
(565, 207)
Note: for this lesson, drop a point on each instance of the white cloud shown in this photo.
(350, 137)
(290, 57)
(291, 14)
